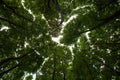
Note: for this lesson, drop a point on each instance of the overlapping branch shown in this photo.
(11, 59)
(14, 11)
(10, 22)
(2, 62)
(8, 70)
(104, 22)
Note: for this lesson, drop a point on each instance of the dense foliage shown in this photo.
(89, 48)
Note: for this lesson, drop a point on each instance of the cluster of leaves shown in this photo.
(27, 48)
(97, 52)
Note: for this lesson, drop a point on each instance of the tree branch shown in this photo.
(64, 75)
(89, 70)
(5, 72)
(14, 11)
(57, 6)
(106, 20)
(11, 59)
(10, 22)
(115, 72)
(54, 67)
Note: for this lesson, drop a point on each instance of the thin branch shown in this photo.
(64, 75)
(14, 11)
(54, 67)
(11, 59)
(115, 72)
(90, 71)
(57, 6)
(106, 21)
(5, 72)
(10, 22)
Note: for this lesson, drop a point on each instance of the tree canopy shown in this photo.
(89, 45)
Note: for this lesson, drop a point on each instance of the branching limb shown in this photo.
(5, 72)
(11, 59)
(14, 11)
(57, 6)
(106, 21)
(10, 22)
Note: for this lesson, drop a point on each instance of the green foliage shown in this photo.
(29, 77)
(88, 50)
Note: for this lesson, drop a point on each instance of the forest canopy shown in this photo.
(88, 47)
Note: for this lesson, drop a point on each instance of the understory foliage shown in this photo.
(89, 48)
